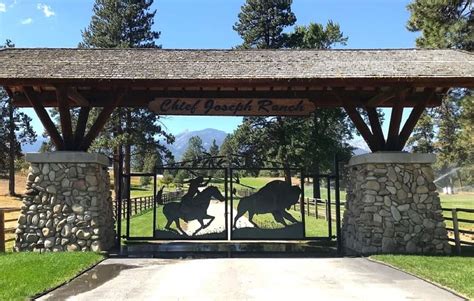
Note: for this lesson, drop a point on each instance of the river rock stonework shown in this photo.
(392, 206)
(67, 204)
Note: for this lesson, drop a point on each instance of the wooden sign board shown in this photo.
(232, 107)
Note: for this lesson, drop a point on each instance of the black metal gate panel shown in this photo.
(229, 203)
(191, 206)
(265, 206)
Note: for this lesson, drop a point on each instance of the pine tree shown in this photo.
(121, 24)
(214, 149)
(261, 23)
(316, 36)
(422, 139)
(126, 24)
(443, 24)
(16, 129)
(194, 151)
(447, 24)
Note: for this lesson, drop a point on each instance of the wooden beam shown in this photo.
(100, 121)
(394, 128)
(411, 122)
(65, 117)
(379, 99)
(101, 98)
(77, 97)
(362, 128)
(376, 127)
(426, 81)
(44, 118)
(81, 126)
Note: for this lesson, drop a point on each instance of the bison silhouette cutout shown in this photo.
(274, 198)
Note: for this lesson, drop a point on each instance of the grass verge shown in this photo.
(454, 272)
(27, 274)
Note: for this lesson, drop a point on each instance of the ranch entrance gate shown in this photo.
(233, 202)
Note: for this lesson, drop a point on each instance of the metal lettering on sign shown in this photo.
(232, 107)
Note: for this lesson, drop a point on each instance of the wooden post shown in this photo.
(316, 206)
(457, 240)
(307, 206)
(135, 206)
(2, 231)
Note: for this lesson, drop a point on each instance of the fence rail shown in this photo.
(457, 231)
(3, 229)
(144, 203)
(319, 208)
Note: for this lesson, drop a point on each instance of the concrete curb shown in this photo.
(419, 277)
(35, 297)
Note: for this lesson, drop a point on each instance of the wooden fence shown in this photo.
(3, 229)
(319, 208)
(456, 230)
(144, 203)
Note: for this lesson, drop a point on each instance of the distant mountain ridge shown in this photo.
(207, 136)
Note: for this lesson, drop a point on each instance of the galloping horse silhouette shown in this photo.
(200, 203)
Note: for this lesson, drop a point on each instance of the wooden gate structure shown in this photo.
(232, 83)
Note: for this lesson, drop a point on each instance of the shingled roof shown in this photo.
(155, 64)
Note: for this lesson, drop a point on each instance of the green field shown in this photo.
(24, 275)
(455, 272)
(142, 225)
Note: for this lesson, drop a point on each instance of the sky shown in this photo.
(203, 24)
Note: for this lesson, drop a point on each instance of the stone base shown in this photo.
(68, 205)
(392, 206)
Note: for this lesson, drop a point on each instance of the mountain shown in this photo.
(206, 135)
(33, 148)
(360, 147)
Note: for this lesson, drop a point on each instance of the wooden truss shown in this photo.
(396, 139)
(354, 99)
(66, 140)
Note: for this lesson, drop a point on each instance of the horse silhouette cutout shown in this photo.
(197, 211)
(274, 198)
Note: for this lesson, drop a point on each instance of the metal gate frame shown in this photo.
(301, 174)
(154, 175)
(228, 186)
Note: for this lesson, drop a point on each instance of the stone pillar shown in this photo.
(67, 205)
(392, 205)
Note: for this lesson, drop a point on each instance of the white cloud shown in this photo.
(27, 21)
(3, 7)
(47, 11)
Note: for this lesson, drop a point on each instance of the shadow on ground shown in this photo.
(294, 231)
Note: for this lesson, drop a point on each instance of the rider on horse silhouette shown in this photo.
(193, 190)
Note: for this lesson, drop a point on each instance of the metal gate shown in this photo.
(228, 202)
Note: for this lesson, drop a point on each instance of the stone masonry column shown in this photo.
(68, 205)
(392, 205)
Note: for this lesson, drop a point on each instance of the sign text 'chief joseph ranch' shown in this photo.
(231, 107)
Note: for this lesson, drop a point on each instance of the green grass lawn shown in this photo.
(454, 272)
(142, 225)
(24, 275)
(460, 200)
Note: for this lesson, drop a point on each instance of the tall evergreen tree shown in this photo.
(194, 151)
(16, 129)
(316, 36)
(214, 149)
(126, 24)
(442, 23)
(422, 139)
(447, 24)
(121, 24)
(261, 25)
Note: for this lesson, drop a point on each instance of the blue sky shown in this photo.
(203, 24)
